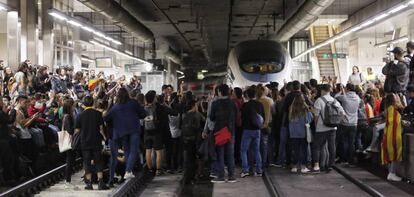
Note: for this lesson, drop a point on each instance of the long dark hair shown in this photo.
(298, 108)
(122, 96)
(68, 106)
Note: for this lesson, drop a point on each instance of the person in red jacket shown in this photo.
(36, 105)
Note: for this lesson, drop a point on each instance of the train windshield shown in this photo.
(262, 67)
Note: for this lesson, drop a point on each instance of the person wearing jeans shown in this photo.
(324, 134)
(124, 118)
(223, 114)
(351, 103)
(251, 138)
(262, 97)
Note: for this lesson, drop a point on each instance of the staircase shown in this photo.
(327, 66)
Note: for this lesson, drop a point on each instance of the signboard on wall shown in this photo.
(152, 81)
(103, 62)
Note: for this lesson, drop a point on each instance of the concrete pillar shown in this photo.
(13, 47)
(28, 15)
(47, 35)
(410, 21)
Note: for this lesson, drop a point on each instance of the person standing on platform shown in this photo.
(397, 73)
(90, 126)
(124, 118)
(252, 118)
(223, 114)
(391, 144)
(410, 56)
(356, 78)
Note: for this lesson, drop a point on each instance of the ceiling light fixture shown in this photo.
(74, 23)
(120, 52)
(182, 77)
(204, 71)
(63, 17)
(87, 59)
(364, 24)
(181, 72)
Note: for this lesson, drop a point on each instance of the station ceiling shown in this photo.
(210, 27)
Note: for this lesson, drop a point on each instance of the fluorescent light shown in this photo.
(382, 45)
(88, 28)
(129, 52)
(398, 8)
(148, 67)
(411, 2)
(58, 16)
(204, 71)
(100, 34)
(74, 23)
(181, 72)
(120, 52)
(87, 59)
(182, 77)
(3, 8)
(116, 42)
(367, 23)
(380, 17)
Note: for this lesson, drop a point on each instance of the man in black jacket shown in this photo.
(251, 132)
(410, 56)
(397, 74)
(223, 114)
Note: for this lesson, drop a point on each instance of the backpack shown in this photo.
(332, 116)
(151, 118)
(187, 128)
(174, 122)
(256, 120)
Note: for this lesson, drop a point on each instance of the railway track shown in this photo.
(131, 187)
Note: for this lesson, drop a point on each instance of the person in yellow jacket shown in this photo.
(391, 146)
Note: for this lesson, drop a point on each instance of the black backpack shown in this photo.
(188, 127)
(332, 116)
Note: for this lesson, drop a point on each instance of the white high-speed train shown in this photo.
(258, 61)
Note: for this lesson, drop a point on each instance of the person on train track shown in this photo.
(252, 120)
(90, 126)
(126, 130)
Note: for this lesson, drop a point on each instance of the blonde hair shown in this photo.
(298, 108)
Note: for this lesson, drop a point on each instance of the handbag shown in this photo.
(64, 139)
(222, 136)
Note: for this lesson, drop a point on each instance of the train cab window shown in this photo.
(268, 67)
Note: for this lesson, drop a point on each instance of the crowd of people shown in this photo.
(307, 127)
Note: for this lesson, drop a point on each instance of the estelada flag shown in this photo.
(391, 146)
(92, 83)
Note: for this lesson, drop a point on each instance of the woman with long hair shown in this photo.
(356, 78)
(299, 119)
(124, 118)
(391, 144)
(68, 124)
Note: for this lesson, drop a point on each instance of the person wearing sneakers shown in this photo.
(126, 130)
(323, 132)
(90, 126)
(391, 146)
(299, 115)
(252, 112)
(68, 123)
(224, 114)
